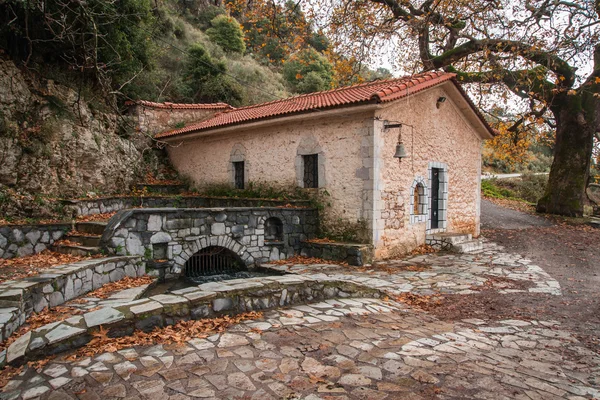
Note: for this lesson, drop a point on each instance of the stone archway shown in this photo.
(191, 247)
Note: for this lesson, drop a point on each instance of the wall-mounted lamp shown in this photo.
(441, 100)
(400, 151)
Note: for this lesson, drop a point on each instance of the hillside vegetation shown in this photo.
(67, 69)
(238, 51)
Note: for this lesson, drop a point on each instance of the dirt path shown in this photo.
(569, 253)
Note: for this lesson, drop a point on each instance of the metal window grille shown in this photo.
(238, 168)
(435, 198)
(213, 260)
(311, 170)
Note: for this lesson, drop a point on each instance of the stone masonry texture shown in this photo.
(184, 232)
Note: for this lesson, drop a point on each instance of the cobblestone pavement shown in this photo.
(351, 348)
(338, 349)
(440, 273)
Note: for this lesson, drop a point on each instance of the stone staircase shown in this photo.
(455, 242)
(87, 239)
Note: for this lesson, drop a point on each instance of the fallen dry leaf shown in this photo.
(95, 217)
(126, 283)
(420, 301)
(307, 260)
(179, 333)
(42, 318)
(22, 267)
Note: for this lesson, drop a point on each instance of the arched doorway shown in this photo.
(213, 261)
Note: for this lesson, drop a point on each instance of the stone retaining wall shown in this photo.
(54, 286)
(351, 253)
(24, 240)
(206, 300)
(112, 204)
(177, 234)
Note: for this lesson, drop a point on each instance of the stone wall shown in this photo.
(54, 286)
(353, 254)
(111, 204)
(177, 234)
(24, 240)
(53, 143)
(273, 155)
(153, 118)
(434, 137)
(203, 301)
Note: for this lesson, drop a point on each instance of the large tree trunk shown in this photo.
(576, 123)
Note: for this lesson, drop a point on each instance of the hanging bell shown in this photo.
(400, 152)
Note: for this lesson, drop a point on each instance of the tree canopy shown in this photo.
(104, 39)
(207, 81)
(227, 33)
(308, 71)
(544, 52)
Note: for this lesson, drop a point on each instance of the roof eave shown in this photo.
(275, 120)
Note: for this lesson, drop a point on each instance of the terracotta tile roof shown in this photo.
(181, 106)
(372, 92)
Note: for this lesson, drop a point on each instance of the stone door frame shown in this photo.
(443, 197)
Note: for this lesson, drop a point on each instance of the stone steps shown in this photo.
(85, 240)
(95, 228)
(77, 250)
(595, 221)
(455, 242)
(452, 238)
(83, 245)
(468, 246)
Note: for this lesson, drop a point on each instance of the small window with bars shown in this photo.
(311, 170)
(238, 174)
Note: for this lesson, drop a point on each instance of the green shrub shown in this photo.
(312, 82)
(345, 231)
(222, 88)
(205, 79)
(532, 187)
(490, 188)
(308, 71)
(227, 33)
(207, 15)
(529, 187)
(256, 190)
(262, 83)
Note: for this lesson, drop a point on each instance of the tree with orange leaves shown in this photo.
(545, 52)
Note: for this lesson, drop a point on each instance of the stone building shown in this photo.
(345, 143)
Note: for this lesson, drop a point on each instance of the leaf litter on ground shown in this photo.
(302, 260)
(178, 334)
(61, 313)
(22, 267)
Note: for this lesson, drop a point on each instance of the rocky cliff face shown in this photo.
(54, 142)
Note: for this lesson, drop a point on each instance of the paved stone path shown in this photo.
(439, 273)
(352, 348)
(344, 349)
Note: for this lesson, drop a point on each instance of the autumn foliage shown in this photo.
(179, 334)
